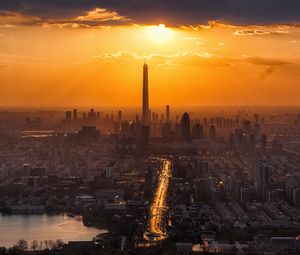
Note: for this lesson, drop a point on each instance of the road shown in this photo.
(158, 207)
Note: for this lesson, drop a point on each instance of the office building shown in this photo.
(74, 115)
(68, 117)
(185, 127)
(167, 113)
(197, 131)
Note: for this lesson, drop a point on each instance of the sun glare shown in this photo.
(160, 33)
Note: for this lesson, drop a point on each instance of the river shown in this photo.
(43, 227)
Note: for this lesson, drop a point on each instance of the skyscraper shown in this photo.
(92, 117)
(185, 127)
(263, 143)
(120, 116)
(68, 117)
(74, 115)
(167, 113)
(261, 174)
(145, 109)
(212, 132)
(148, 184)
(145, 129)
(197, 131)
(145, 134)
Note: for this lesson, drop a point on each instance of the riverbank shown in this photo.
(93, 218)
(44, 227)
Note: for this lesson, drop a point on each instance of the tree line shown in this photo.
(35, 245)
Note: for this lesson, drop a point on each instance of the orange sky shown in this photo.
(216, 64)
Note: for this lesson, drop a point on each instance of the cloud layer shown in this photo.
(172, 12)
(201, 59)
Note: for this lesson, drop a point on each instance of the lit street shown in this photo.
(158, 206)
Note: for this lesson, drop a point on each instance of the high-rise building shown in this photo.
(246, 196)
(247, 126)
(296, 197)
(149, 116)
(166, 131)
(124, 128)
(148, 184)
(167, 113)
(88, 134)
(185, 127)
(197, 131)
(98, 117)
(263, 143)
(145, 107)
(120, 116)
(92, 116)
(213, 133)
(74, 115)
(252, 142)
(68, 117)
(153, 117)
(261, 174)
(145, 134)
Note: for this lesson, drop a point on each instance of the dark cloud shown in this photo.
(259, 32)
(10, 5)
(269, 71)
(172, 12)
(198, 59)
(267, 61)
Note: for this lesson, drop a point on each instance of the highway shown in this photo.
(159, 205)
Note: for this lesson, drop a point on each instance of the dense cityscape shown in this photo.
(209, 181)
(149, 127)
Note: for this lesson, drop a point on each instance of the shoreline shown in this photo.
(75, 217)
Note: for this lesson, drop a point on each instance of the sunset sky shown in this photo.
(200, 52)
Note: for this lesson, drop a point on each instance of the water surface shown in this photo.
(43, 227)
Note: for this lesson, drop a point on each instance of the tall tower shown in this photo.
(145, 110)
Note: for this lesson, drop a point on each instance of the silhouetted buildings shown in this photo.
(148, 184)
(166, 132)
(88, 134)
(92, 117)
(212, 133)
(263, 143)
(197, 131)
(261, 175)
(185, 127)
(68, 117)
(167, 113)
(145, 134)
(120, 116)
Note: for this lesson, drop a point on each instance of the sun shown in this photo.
(160, 33)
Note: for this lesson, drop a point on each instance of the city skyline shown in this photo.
(90, 54)
(146, 109)
(149, 127)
